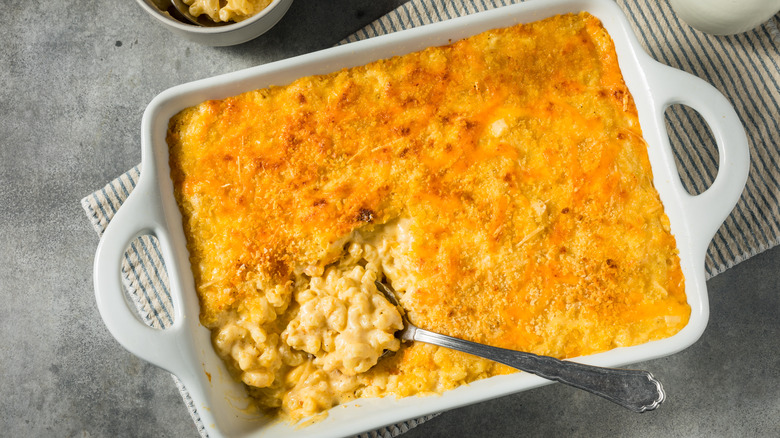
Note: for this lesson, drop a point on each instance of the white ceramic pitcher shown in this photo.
(725, 17)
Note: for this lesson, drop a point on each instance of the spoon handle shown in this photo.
(636, 390)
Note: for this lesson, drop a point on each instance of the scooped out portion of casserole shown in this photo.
(500, 184)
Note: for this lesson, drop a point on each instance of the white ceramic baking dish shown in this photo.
(185, 349)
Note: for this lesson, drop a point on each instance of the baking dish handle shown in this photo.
(140, 214)
(708, 210)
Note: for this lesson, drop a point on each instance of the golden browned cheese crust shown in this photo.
(512, 162)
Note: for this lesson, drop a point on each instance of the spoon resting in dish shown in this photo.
(636, 390)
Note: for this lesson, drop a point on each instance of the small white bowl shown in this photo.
(227, 35)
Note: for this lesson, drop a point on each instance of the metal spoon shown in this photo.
(636, 390)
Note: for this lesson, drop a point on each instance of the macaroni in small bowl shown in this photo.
(227, 10)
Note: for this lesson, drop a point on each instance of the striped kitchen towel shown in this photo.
(745, 68)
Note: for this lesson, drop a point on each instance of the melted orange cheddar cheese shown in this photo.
(500, 184)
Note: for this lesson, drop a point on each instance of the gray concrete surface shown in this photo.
(75, 78)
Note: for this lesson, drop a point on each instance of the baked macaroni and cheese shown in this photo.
(226, 10)
(500, 184)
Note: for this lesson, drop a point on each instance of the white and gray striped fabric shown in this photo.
(745, 68)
